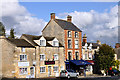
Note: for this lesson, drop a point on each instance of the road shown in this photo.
(90, 78)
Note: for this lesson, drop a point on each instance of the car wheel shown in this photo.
(76, 76)
(68, 76)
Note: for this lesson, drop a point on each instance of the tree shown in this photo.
(12, 33)
(105, 57)
(2, 30)
(116, 64)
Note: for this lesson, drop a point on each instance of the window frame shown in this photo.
(57, 56)
(42, 68)
(76, 35)
(54, 68)
(77, 44)
(77, 55)
(57, 43)
(23, 49)
(69, 44)
(42, 43)
(24, 56)
(70, 53)
(69, 34)
(41, 58)
(24, 71)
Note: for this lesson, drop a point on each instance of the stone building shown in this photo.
(31, 57)
(88, 51)
(17, 57)
(49, 55)
(67, 33)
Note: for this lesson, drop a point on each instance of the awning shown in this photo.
(90, 61)
(80, 62)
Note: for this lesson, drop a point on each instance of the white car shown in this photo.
(69, 73)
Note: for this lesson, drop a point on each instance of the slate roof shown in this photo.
(94, 45)
(32, 37)
(67, 25)
(20, 42)
(117, 51)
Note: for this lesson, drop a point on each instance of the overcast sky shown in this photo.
(98, 20)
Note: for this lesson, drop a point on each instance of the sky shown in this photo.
(98, 20)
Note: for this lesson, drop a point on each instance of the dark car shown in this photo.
(113, 72)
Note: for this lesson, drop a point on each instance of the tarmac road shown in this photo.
(88, 78)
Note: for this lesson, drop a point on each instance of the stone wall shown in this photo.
(54, 30)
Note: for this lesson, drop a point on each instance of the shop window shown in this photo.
(55, 56)
(88, 68)
(85, 56)
(42, 56)
(69, 33)
(42, 69)
(23, 71)
(76, 55)
(42, 43)
(76, 34)
(90, 56)
(55, 68)
(69, 55)
(55, 43)
(23, 49)
(69, 43)
(23, 57)
(76, 44)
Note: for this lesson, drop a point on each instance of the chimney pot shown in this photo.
(52, 15)
(69, 18)
(84, 38)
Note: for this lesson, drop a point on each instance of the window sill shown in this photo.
(42, 72)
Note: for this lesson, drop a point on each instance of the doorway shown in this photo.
(49, 70)
(32, 72)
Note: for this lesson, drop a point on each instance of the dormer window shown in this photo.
(76, 34)
(55, 43)
(42, 42)
(69, 33)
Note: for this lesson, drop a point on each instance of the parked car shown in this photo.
(69, 73)
(113, 72)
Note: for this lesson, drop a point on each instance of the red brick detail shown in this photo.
(66, 43)
(80, 44)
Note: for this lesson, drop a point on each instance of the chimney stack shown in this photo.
(52, 15)
(84, 38)
(69, 18)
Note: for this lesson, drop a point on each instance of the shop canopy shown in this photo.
(80, 62)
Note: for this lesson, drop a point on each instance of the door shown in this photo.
(32, 72)
(49, 70)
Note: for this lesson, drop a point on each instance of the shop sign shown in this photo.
(49, 62)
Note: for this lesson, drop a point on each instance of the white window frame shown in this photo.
(23, 70)
(69, 34)
(23, 49)
(24, 56)
(56, 68)
(55, 57)
(41, 67)
(42, 43)
(41, 58)
(55, 43)
(76, 34)
(69, 43)
(76, 44)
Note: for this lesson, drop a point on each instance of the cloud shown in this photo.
(16, 16)
(102, 26)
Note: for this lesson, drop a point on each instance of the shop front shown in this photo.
(77, 65)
